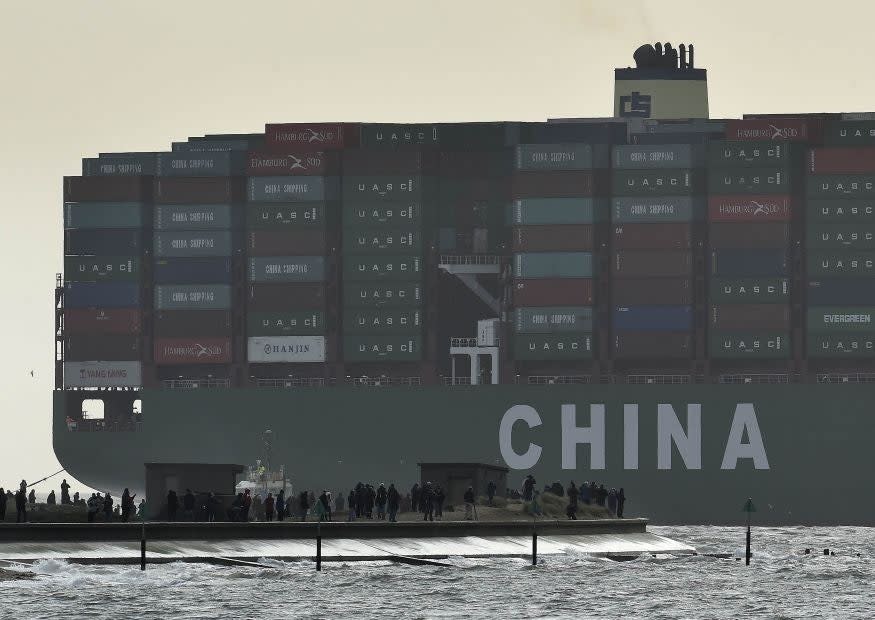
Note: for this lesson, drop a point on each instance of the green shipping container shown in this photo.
(553, 319)
(380, 241)
(849, 133)
(841, 210)
(752, 345)
(390, 215)
(101, 268)
(731, 154)
(290, 323)
(272, 217)
(370, 268)
(654, 183)
(545, 347)
(750, 291)
(841, 319)
(753, 181)
(385, 348)
(103, 215)
(840, 186)
(840, 264)
(840, 345)
(552, 265)
(822, 236)
(547, 211)
(382, 295)
(382, 321)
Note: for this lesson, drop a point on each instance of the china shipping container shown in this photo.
(553, 265)
(286, 242)
(570, 156)
(652, 344)
(285, 297)
(193, 297)
(729, 154)
(107, 189)
(841, 292)
(101, 347)
(840, 210)
(292, 189)
(652, 236)
(193, 217)
(848, 160)
(654, 263)
(551, 319)
(364, 163)
(548, 347)
(103, 320)
(652, 318)
(208, 270)
(749, 290)
(279, 164)
(829, 235)
(382, 320)
(372, 268)
(750, 344)
(739, 263)
(750, 316)
(195, 243)
(385, 347)
(567, 238)
(101, 294)
(310, 136)
(192, 323)
(287, 269)
(101, 268)
(841, 186)
(545, 211)
(106, 242)
(103, 215)
(649, 210)
(405, 214)
(749, 181)
(565, 184)
(553, 292)
(285, 323)
(193, 351)
(382, 241)
(272, 217)
(651, 291)
(757, 208)
(656, 182)
(120, 164)
(841, 319)
(849, 133)
(391, 135)
(790, 129)
(200, 190)
(381, 294)
(638, 157)
(840, 264)
(762, 235)
(840, 345)
(200, 164)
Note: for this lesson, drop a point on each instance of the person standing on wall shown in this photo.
(469, 504)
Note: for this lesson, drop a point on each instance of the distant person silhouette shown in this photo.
(65, 492)
(172, 505)
(3, 501)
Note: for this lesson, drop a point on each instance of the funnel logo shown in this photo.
(779, 133)
(636, 105)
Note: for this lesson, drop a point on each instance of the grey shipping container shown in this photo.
(640, 157)
(121, 164)
(537, 211)
(379, 188)
(655, 182)
(739, 263)
(292, 189)
(384, 215)
(100, 268)
(728, 154)
(749, 344)
(628, 210)
(551, 319)
(553, 265)
(192, 217)
(841, 292)
(395, 135)
(382, 320)
(561, 156)
(749, 290)
(287, 323)
(382, 348)
(841, 319)
(839, 210)
(193, 243)
(756, 235)
(675, 236)
(566, 238)
(849, 133)
(103, 215)
(201, 164)
(840, 264)
(382, 294)
(841, 186)
(750, 316)
(381, 241)
(851, 236)
(271, 217)
(104, 242)
(357, 267)
(751, 181)
(193, 297)
(841, 345)
(651, 291)
(287, 269)
(652, 263)
(547, 347)
(652, 344)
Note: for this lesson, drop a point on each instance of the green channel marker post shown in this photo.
(748, 508)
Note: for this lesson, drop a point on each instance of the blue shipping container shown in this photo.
(740, 263)
(101, 294)
(192, 271)
(841, 292)
(653, 318)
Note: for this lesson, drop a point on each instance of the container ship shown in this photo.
(656, 300)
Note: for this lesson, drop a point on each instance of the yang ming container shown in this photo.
(651, 291)
(749, 181)
(545, 211)
(552, 319)
(640, 157)
(382, 348)
(193, 243)
(553, 292)
(103, 320)
(547, 347)
(103, 215)
(553, 265)
(647, 210)
(749, 291)
(568, 238)
(749, 344)
(739, 263)
(653, 263)
(652, 344)
(192, 217)
(841, 186)
(750, 316)
(193, 297)
(727, 154)
(652, 236)
(93, 374)
(208, 270)
(285, 297)
(655, 318)
(101, 294)
(757, 208)
(306, 215)
(286, 242)
(381, 241)
(98, 269)
(382, 294)
(114, 242)
(287, 269)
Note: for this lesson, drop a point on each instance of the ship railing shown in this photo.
(195, 384)
(293, 382)
(658, 379)
(469, 259)
(471, 342)
(383, 381)
(559, 379)
(756, 378)
(457, 380)
(851, 377)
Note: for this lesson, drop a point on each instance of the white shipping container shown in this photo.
(286, 349)
(103, 374)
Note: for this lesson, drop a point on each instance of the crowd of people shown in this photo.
(589, 493)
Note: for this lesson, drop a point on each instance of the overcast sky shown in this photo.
(78, 78)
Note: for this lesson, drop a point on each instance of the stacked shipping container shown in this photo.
(840, 242)
(656, 197)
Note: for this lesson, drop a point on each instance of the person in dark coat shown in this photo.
(469, 503)
(351, 505)
(426, 502)
(172, 505)
(50, 500)
(415, 493)
(602, 495)
(573, 494)
(65, 492)
(128, 505)
(21, 505)
(303, 505)
(528, 487)
(381, 499)
(370, 500)
(439, 497)
(235, 512)
(247, 505)
(281, 505)
(268, 507)
(32, 497)
(490, 491)
(3, 501)
(188, 505)
(393, 501)
(621, 501)
(585, 496)
(612, 502)
(107, 507)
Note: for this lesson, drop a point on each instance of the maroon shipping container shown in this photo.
(102, 348)
(749, 208)
(193, 351)
(792, 129)
(291, 296)
(104, 189)
(752, 236)
(378, 162)
(750, 316)
(286, 242)
(653, 236)
(311, 136)
(553, 292)
(291, 164)
(565, 184)
(652, 344)
(835, 160)
(566, 238)
(200, 190)
(652, 292)
(652, 263)
(192, 323)
(103, 321)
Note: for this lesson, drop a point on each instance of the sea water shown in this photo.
(782, 582)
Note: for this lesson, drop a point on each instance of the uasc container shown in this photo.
(840, 264)
(382, 295)
(553, 292)
(382, 348)
(749, 181)
(286, 323)
(193, 351)
(749, 290)
(395, 135)
(364, 268)
(381, 241)
(655, 183)
(389, 215)
(726, 154)
(841, 345)
(749, 344)
(828, 235)
(841, 186)
(307, 215)
(655, 263)
(849, 133)
(553, 265)
(547, 347)
(380, 188)
(103, 215)
(389, 320)
(100, 268)
(840, 210)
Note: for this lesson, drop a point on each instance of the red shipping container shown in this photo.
(475, 164)
(368, 162)
(311, 136)
(750, 316)
(103, 321)
(791, 129)
(555, 184)
(286, 243)
(565, 238)
(200, 190)
(193, 351)
(652, 344)
(651, 292)
(281, 297)
(553, 292)
(763, 236)
(290, 164)
(749, 208)
(98, 189)
(102, 348)
(652, 236)
(192, 323)
(851, 160)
